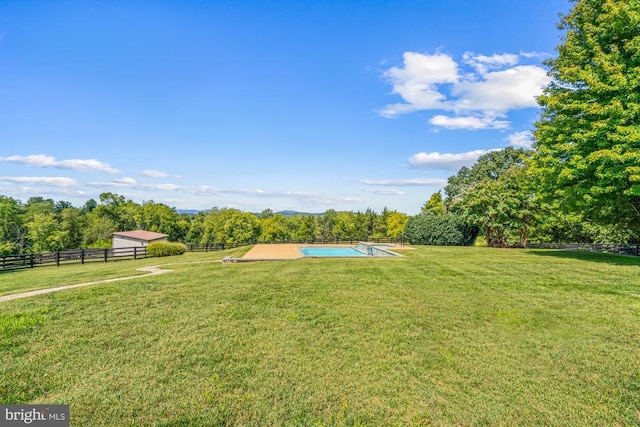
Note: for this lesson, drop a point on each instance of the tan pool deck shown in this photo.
(289, 251)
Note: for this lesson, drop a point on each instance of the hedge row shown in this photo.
(439, 230)
(166, 249)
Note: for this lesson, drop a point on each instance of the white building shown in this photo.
(136, 238)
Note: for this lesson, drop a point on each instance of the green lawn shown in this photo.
(50, 276)
(444, 336)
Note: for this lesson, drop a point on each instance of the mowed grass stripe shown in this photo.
(444, 336)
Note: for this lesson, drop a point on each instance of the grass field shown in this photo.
(443, 336)
(51, 276)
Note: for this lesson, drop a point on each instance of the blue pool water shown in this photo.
(335, 252)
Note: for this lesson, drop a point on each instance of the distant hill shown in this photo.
(294, 213)
(284, 213)
(188, 211)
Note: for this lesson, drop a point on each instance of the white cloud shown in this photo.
(53, 181)
(534, 54)
(112, 184)
(405, 182)
(385, 191)
(483, 63)
(131, 183)
(468, 122)
(161, 187)
(323, 199)
(206, 190)
(309, 197)
(126, 180)
(446, 161)
(501, 91)
(417, 82)
(154, 173)
(493, 86)
(291, 194)
(520, 139)
(43, 161)
(24, 191)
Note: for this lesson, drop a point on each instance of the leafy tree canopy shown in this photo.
(587, 139)
(488, 167)
(435, 205)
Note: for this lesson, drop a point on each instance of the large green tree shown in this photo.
(73, 223)
(587, 139)
(505, 207)
(229, 226)
(489, 166)
(495, 194)
(305, 227)
(160, 218)
(12, 229)
(45, 233)
(326, 224)
(273, 228)
(97, 233)
(435, 205)
(396, 223)
(345, 227)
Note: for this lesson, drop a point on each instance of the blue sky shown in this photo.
(303, 105)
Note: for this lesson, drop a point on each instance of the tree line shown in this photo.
(44, 225)
(581, 180)
(500, 197)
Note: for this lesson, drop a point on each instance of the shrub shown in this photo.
(8, 248)
(166, 249)
(439, 230)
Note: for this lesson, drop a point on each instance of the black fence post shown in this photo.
(82, 256)
(106, 254)
(58, 258)
(31, 260)
(135, 252)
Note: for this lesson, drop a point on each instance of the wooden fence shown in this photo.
(210, 247)
(12, 262)
(611, 248)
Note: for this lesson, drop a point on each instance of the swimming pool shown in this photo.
(361, 249)
(330, 252)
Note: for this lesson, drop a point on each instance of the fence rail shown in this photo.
(211, 247)
(74, 256)
(611, 248)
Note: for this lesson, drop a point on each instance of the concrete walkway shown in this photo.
(152, 270)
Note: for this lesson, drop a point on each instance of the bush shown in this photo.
(166, 249)
(8, 248)
(439, 230)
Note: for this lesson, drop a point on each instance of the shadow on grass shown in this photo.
(13, 270)
(613, 259)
